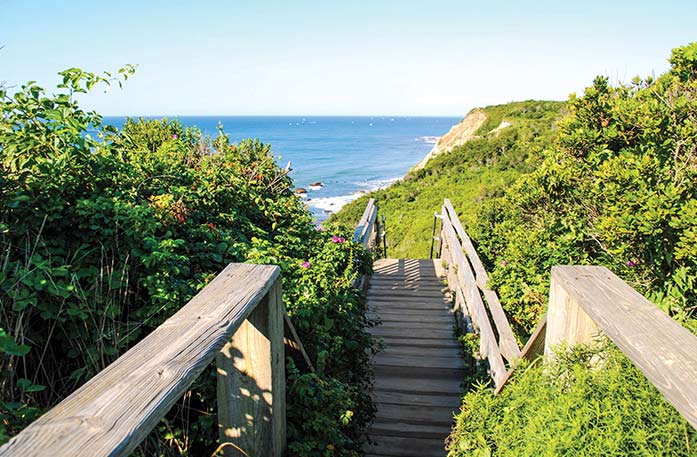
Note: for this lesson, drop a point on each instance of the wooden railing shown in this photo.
(467, 279)
(584, 302)
(587, 300)
(238, 320)
(368, 234)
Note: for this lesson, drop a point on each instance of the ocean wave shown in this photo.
(427, 139)
(375, 184)
(332, 204)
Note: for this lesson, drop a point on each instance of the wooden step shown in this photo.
(444, 319)
(416, 398)
(424, 386)
(409, 430)
(424, 333)
(406, 324)
(404, 447)
(381, 302)
(417, 415)
(402, 340)
(388, 312)
(454, 352)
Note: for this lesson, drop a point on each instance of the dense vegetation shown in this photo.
(107, 233)
(472, 173)
(614, 183)
(572, 408)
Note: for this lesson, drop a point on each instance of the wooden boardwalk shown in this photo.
(419, 373)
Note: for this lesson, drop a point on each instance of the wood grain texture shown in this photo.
(366, 233)
(534, 348)
(251, 400)
(489, 348)
(418, 374)
(114, 411)
(507, 342)
(661, 348)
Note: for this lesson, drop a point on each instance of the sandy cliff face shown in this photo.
(458, 134)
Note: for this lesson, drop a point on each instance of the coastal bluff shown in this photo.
(459, 134)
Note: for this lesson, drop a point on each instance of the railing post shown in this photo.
(567, 322)
(251, 383)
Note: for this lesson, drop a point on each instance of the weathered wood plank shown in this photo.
(293, 334)
(115, 410)
(661, 348)
(488, 344)
(405, 447)
(507, 342)
(466, 243)
(426, 385)
(250, 367)
(534, 348)
(415, 398)
(385, 428)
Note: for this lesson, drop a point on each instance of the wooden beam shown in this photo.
(477, 265)
(661, 348)
(488, 346)
(251, 401)
(363, 221)
(115, 410)
(567, 322)
(534, 348)
(507, 342)
(296, 340)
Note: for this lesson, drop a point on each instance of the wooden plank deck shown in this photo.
(419, 373)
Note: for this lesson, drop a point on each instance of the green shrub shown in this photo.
(107, 233)
(591, 402)
(618, 188)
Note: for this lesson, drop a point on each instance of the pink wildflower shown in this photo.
(305, 264)
(335, 239)
(342, 239)
(175, 136)
(630, 263)
(503, 263)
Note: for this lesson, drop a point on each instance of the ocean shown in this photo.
(348, 155)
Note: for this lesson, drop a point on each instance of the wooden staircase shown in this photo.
(419, 372)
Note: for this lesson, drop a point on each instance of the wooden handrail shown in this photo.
(468, 280)
(507, 342)
(367, 226)
(585, 300)
(366, 233)
(236, 319)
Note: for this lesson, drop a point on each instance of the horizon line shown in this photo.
(284, 115)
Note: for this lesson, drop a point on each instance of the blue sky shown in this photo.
(432, 57)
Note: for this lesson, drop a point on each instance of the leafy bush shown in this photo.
(105, 234)
(618, 188)
(591, 402)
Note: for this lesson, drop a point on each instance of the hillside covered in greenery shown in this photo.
(474, 172)
(608, 179)
(104, 234)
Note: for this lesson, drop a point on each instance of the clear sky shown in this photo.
(437, 57)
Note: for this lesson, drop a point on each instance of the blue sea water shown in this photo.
(347, 154)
